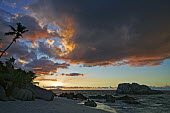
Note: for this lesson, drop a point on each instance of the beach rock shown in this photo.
(126, 97)
(63, 95)
(116, 94)
(134, 88)
(81, 96)
(41, 93)
(22, 94)
(110, 98)
(90, 103)
(70, 96)
(97, 97)
(3, 94)
(131, 101)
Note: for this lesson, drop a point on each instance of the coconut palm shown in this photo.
(17, 33)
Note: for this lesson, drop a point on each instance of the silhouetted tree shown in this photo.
(11, 77)
(17, 32)
(0, 50)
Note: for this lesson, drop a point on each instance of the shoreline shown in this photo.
(58, 105)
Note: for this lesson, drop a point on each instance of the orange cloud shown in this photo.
(35, 35)
(66, 24)
(45, 79)
(1, 45)
(22, 61)
(50, 42)
(113, 41)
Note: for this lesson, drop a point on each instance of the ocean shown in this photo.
(159, 103)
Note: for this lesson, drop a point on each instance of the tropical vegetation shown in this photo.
(11, 77)
(17, 33)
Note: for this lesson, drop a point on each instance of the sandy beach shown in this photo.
(58, 105)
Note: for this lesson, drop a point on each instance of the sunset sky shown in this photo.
(90, 42)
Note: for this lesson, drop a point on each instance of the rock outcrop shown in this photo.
(63, 95)
(126, 97)
(3, 94)
(90, 103)
(80, 96)
(73, 96)
(70, 96)
(134, 88)
(41, 93)
(22, 94)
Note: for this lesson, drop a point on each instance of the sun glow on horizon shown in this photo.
(57, 83)
(50, 83)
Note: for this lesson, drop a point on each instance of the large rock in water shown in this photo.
(134, 88)
(22, 94)
(90, 103)
(41, 93)
(81, 96)
(3, 94)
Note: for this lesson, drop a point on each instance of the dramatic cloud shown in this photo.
(36, 79)
(136, 33)
(44, 66)
(73, 74)
(51, 51)
(45, 78)
(27, 50)
(36, 31)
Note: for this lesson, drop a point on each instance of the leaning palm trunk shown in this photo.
(7, 48)
(17, 32)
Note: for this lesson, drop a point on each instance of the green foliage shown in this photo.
(11, 77)
(22, 78)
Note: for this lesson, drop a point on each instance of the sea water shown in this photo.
(159, 103)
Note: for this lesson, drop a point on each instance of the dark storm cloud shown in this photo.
(36, 31)
(48, 50)
(73, 74)
(132, 32)
(19, 49)
(44, 66)
(25, 55)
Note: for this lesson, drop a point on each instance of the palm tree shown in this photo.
(17, 32)
(0, 50)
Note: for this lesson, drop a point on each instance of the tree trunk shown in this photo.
(6, 48)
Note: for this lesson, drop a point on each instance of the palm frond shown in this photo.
(25, 31)
(19, 35)
(23, 28)
(12, 28)
(10, 33)
(19, 26)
